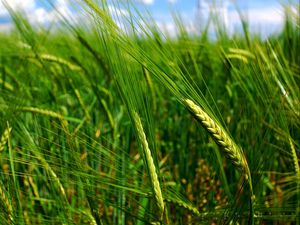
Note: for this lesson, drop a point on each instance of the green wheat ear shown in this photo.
(4, 138)
(44, 112)
(4, 201)
(230, 149)
(151, 166)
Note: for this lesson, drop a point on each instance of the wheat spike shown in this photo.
(3, 198)
(42, 112)
(183, 204)
(295, 158)
(230, 148)
(6, 204)
(151, 166)
(4, 138)
(58, 60)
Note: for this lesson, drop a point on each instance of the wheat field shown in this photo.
(102, 123)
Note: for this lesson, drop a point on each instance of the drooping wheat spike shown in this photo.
(4, 138)
(58, 60)
(42, 112)
(231, 150)
(151, 166)
(46, 112)
(183, 204)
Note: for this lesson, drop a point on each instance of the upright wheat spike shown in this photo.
(3, 197)
(295, 158)
(4, 138)
(151, 166)
(230, 148)
(297, 172)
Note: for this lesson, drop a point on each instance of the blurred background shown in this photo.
(264, 17)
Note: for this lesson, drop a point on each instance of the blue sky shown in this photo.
(265, 16)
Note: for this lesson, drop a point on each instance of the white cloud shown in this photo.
(265, 20)
(117, 12)
(23, 5)
(266, 16)
(168, 28)
(2, 9)
(38, 15)
(61, 11)
(62, 3)
(218, 9)
(146, 2)
(172, 1)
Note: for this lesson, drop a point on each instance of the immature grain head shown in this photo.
(4, 138)
(44, 112)
(4, 201)
(295, 158)
(151, 166)
(230, 148)
(183, 204)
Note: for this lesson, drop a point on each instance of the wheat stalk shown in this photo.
(151, 166)
(46, 165)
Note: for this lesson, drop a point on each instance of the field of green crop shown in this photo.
(111, 125)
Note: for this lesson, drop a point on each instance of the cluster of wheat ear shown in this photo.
(231, 150)
(151, 166)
